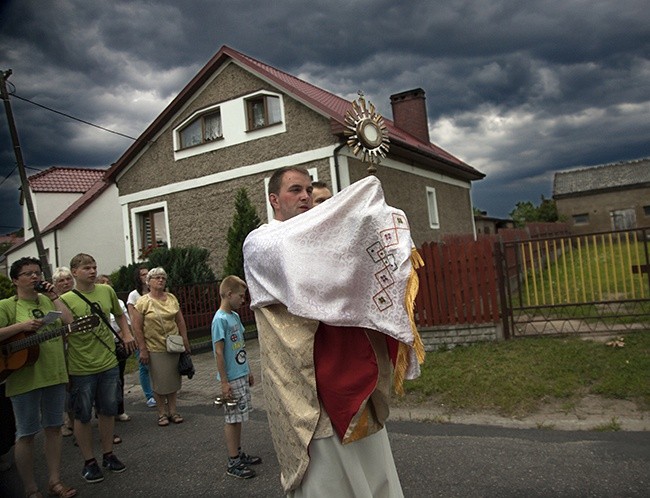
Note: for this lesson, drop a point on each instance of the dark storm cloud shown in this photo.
(516, 89)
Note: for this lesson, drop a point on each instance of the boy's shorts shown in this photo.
(37, 409)
(241, 391)
(103, 390)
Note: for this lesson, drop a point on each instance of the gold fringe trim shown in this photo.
(402, 362)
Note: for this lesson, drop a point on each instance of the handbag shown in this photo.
(174, 344)
(185, 365)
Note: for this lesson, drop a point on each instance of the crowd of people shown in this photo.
(65, 379)
(329, 435)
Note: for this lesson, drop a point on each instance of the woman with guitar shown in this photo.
(36, 374)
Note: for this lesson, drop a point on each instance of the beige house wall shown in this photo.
(408, 192)
(599, 207)
(306, 130)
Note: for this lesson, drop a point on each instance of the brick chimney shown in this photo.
(410, 113)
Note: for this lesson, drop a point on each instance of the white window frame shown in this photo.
(265, 96)
(198, 115)
(136, 226)
(432, 208)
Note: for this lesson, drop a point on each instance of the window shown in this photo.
(646, 210)
(432, 205)
(151, 230)
(581, 219)
(263, 110)
(622, 219)
(203, 129)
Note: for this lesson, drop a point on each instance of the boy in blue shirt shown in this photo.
(233, 373)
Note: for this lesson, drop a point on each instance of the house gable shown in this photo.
(604, 198)
(186, 194)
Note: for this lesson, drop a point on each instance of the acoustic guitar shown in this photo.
(22, 349)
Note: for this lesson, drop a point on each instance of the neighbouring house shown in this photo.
(240, 119)
(489, 225)
(77, 211)
(604, 198)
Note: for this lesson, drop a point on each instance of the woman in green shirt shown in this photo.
(37, 391)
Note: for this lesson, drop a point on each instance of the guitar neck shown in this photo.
(33, 340)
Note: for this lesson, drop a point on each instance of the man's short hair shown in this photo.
(81, 259)
(60, 272)
(319, 184)
(276, 178)
(18, 265)
(231, 283)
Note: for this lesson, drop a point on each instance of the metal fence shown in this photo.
(579, 284)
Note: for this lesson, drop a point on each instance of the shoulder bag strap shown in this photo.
(97, 310)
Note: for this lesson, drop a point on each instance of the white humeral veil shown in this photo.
(345, 262)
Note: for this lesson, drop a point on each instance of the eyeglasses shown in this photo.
(30, 273)
(158, 277)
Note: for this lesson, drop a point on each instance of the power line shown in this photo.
(71, 117)
(8, 175)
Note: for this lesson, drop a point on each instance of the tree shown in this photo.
(184, 265)
(6, 287)
(244, 222)
(525, 212)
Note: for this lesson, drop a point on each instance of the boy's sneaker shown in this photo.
(112, 463)
(249, 459)
(240, 471)
(92, 472)
(151, 402)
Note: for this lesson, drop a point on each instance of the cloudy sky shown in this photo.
(516, 89)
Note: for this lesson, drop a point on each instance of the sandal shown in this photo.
(163, 420)
(61, 490)
(176, 418)
(116, 439)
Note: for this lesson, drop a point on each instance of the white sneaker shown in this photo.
(151, 402)
(123, 417)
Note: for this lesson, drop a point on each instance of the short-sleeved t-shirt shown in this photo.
(94, 351)
(49, 369)
(158, 320)
(227, 327)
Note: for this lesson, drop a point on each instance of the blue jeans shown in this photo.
(103, 390)
(37, 409)
(145, 380)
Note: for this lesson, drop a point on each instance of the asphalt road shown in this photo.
(432, 460)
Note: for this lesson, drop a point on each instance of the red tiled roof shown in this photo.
(328, 104)
(70, 180)
(90, 193)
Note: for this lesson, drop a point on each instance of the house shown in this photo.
(240, 119)
(489, 225)
(604, 198)
(77, 211)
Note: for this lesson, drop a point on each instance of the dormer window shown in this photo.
(204, 129)
(262, 110)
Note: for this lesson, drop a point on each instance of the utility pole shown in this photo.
(23, 176)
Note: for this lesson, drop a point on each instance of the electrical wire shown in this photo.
(69, 116)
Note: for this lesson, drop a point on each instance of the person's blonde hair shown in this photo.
(81, 259)
(231, 283)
